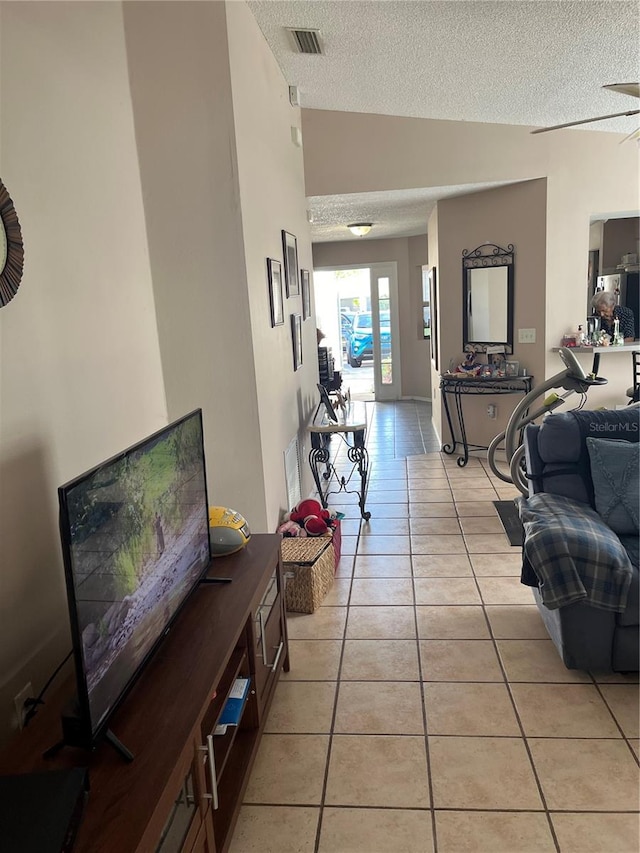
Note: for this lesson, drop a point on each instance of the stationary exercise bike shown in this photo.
(573, 380)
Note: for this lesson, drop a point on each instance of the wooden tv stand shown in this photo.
(166, 795)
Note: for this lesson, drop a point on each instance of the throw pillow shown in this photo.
(615, 471)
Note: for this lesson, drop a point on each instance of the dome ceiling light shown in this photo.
(360, 229)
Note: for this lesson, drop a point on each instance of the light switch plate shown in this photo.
(526, 336)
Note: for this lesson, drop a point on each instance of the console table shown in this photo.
(184, 787)
(351, 427)
(458, 386)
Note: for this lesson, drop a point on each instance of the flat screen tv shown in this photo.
(135, 542)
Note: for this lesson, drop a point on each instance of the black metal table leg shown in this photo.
(448, 448)
(462, 460)
(359, 456)
(319, 456)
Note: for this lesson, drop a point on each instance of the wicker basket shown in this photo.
(309, 566)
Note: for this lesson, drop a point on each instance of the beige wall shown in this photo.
(409, 254)
(193, 213)
(513, 214)
(588, 173)
(120, 146)
(80, 358)
(272, 198)
(433, 242)
(359, 152)
(612, 187)
(416, 371)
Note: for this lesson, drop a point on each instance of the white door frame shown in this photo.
(389, 269)
(392, 390)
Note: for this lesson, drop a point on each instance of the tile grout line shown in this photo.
(425, 722)
(325, 780)
(515, 710)
(508, 688)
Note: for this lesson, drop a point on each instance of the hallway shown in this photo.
(426, 710)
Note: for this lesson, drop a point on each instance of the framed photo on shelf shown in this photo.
(498, 363)
(276, 302)
(296, 340)
(511, 368)
(306, 294)
(328, 405)
(290, 252)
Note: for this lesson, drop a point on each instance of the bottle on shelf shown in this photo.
(618, 340)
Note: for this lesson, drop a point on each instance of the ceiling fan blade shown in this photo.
(624, 88)
(586, 121)
(635, 134)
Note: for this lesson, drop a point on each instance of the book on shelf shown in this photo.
(234, 705)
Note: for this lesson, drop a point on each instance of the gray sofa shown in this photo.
(591, 633)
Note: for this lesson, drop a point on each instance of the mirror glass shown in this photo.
(488, 297)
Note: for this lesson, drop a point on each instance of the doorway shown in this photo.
(356, 309)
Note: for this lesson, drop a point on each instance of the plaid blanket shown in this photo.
(573, 553)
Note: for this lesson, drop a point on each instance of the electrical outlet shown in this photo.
(19, 701)
(492, 411)
(526, 336)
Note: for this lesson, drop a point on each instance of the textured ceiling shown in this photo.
(508, 62)
(395, 213)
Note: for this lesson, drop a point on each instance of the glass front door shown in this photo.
(357, 310)
(385, 332)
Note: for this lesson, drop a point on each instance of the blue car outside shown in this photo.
(360, 344)
(346, 324)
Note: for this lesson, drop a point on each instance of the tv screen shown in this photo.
(135, 539)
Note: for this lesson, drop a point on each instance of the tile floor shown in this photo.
(426, 711)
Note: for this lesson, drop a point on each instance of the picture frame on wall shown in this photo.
(433, 304)
(290, 253)
(276, 301)
(296, 340)
(306, 294)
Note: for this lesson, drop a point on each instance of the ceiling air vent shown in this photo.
(305, 41)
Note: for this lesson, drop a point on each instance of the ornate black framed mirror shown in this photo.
(488, 290)
(11, 248)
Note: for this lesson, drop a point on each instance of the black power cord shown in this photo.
(32, 704)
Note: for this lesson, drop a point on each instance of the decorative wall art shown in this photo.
(433, 294)
(11, 248)
(290, 252)
(306, 294)
(276, 301)
(296, 340)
